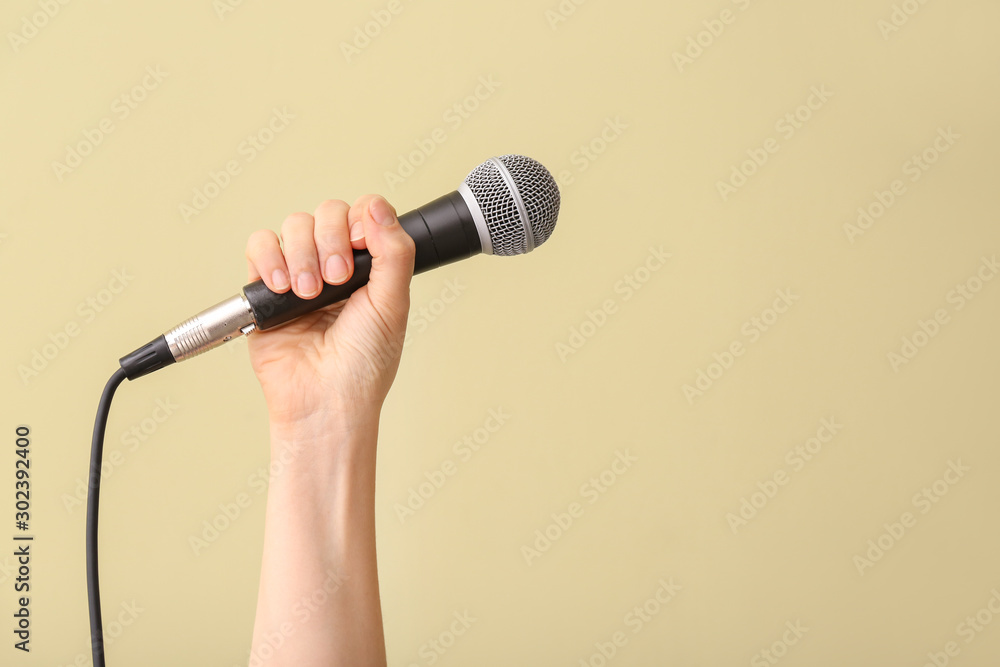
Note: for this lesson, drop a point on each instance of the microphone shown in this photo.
(506, 206)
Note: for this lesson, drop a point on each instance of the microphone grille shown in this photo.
(519, 201)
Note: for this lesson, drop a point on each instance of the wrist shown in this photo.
(329, 420)
(322, 483)
(324, 441)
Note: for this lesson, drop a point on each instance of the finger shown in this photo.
(332, 243)
(265, 260)
(300, 253)
(392, 252)
(356, 223)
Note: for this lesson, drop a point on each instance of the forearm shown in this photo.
(318, 602)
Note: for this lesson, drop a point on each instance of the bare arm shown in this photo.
(324, 378)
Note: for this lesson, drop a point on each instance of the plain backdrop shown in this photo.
(713, 416)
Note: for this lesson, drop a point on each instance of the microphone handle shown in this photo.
(443, 232)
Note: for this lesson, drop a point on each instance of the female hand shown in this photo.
(342, 358)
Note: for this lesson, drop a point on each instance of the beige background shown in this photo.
(497, 345)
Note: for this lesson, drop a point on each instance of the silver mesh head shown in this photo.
(519, 202)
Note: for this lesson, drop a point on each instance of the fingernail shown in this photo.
(381, 212)
(279, 279)
(307, 285)
(336, 269)
(357, 232)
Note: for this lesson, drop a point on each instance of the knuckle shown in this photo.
(296, 221)
(333, 206)
(332, 236)
(303, 261)
(302, 254)
(259, 242)
(331, 240)
(407, 246)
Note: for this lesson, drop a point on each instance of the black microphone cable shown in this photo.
(93, 500)
(148, 358)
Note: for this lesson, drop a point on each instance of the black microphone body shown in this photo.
(508, 205)
(443, 232)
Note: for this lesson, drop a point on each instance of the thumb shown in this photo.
(392, 251)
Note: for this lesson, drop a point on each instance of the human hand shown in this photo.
(342, 358)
